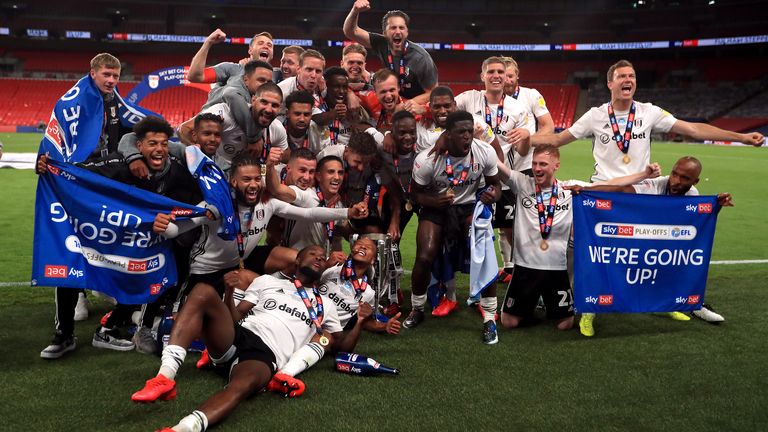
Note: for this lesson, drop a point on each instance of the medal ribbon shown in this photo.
(396, 162)
(499, 115)
(516, 93)
(464, 171)
(328, 225)
(240, 239)
(622, 142)
(359, 284)
(401, 71)
(315, 315)
(267, 146)
(546, 217)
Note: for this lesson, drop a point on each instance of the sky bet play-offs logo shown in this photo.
(645, 231)
(118, 263)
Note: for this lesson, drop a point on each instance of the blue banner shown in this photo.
(216, 191)
(74, 129)
(161, 79)
(96, 233)
(641, 253)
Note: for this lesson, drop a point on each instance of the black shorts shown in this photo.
(528, 284)
(249, 347)
(455, 220)
(258, 257)
(254, 262)
(504, 212)
(215, 279)
(405, 215)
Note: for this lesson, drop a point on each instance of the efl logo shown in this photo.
(604, 204)
(56, 271)
(705, 208)
(605, 300)
(154, 289)
(178, 211)
(694, 299)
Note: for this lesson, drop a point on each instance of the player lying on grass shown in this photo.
(346, 285)
(251, 341)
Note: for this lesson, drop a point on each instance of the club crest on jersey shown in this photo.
(638, 122)
(259, 214)
(113, 111)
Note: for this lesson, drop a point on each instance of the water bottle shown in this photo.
(356, 364)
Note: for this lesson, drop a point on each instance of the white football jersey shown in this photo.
(480, 162)
(233, 138)
(211, 253)
(301, 234)
(514, 115)
(608, 158)
(527, 252)
(427, 134)
(316, 139)
(658, 186)
(342, 293)
(535, 107)
(280, 318)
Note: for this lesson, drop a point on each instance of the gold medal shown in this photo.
(324, 341)
(544, 245)
(626, 159)
(408, 206)
(263, 170)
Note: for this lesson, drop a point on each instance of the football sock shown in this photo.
(195, 422)
(489, 305)
(450, 290)
(303, 359)
(171, 360)
(418, 301)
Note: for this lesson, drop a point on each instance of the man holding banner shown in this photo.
(87, 122)
(680, 183)
(541, 239)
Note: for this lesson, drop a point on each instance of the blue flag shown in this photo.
(216, 192)
(641, 253)
(96, 233)
(75, 126)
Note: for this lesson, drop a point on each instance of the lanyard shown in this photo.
(328, 225)
(622, 142)
(396, 162)
(401, 71)
(499, 115)
(358, 284)
(516, 93)
(316, 315)
(546, 217)
(267, 146)
(240, 239)
(454, 181)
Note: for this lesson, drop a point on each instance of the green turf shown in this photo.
(641, 372)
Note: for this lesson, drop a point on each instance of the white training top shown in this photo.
(280, 318)
(658, 186)
(608, 158)
(301, 234)
(429, 172)
(342, 293)
(233, 138)
(535, 107)
(427, 134)
(317, 139)
(527, 252)
(211, 253)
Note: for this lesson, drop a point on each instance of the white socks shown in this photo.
(418, 301)
(489, 305)
(195, 422)
(171, 360)
(303, 359)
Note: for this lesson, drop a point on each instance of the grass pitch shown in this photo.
(640, 372)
